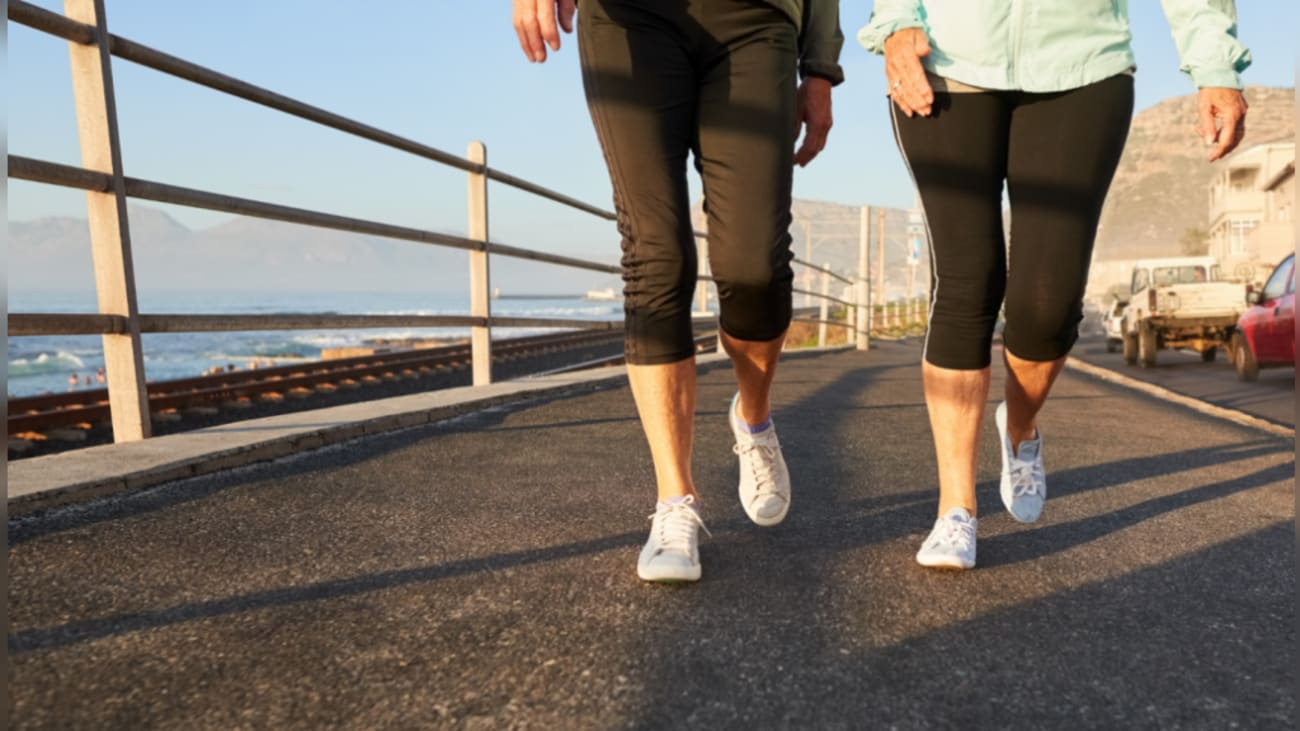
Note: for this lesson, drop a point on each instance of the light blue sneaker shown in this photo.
(951, 544)
(1024, 482)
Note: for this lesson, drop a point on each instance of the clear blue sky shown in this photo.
(443, 73)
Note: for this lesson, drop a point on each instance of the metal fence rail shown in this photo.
(107, 188)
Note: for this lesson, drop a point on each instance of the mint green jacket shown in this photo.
(1054, 45)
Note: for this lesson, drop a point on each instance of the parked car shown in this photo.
(1265, 335)
(1180, 302)
(1112, 320)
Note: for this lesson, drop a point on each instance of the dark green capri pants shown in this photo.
(716, 78)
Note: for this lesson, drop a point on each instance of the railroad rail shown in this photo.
(43, 413)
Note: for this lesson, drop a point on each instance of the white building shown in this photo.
(1252, 201)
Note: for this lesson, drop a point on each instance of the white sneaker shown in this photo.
(951, 544)
(672, 553)
(764, 479)
(1024, 482)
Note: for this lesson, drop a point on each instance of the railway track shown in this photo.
(169, 400)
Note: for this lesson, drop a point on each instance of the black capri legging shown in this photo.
(716, 79)
(1057, 154)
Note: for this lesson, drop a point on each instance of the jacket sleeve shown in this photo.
(820, 41)
(1206, 34)
(888, 16)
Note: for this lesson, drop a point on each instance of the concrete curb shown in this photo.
(41, 483)
(1160, 392)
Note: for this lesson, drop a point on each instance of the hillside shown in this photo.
(1160, 189)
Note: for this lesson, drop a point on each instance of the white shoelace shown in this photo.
(956, 534)
(1026, 476)
(763, 465)
(675, 524)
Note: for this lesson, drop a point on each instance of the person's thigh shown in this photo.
(1063, 153)
(745, 154)
(641, 89)
(957, 157)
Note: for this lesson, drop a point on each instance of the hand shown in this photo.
(1221, 119)
(814, 118)
(904, 72)
(535, 24)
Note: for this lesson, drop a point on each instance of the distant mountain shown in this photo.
(1161, 187)
(256, 254)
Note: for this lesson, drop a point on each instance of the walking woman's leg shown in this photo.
(1062, 155)
(957, 158)
(745, 154)
(641, 90)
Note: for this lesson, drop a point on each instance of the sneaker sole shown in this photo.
(945, 565)
(674, 579)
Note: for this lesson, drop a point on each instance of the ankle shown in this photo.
(1022, 435)
(968, 506)
(753, 416)
(676, 494)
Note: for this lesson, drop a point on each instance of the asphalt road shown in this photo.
(1272, 397)
(479, 574)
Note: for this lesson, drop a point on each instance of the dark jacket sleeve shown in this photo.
(820, 41)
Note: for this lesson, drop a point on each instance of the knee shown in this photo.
(1042, 333)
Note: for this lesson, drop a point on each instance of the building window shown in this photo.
(1238, 231)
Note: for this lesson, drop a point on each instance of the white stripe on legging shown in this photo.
(934, 270)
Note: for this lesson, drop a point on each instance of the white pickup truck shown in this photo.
(1179, 302)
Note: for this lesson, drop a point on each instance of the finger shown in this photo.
(1233, 129)
(922, 96)
(532, 34)
(898, 99)
(546, 22)
(813, 142)
(805, 154)
(915, 89)
(1206, 128)
(814, 139)
(523, 41)
(894, 78)
(566, 15)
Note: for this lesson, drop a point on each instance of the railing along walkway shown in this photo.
(119, 321)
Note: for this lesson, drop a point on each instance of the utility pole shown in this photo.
(862, 323)
(880, 258)
(807, 256)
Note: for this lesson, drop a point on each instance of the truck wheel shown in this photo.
(1207, 356)
(1243, 359)
(1130, 347)
(1146, 345)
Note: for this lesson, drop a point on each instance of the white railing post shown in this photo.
(824, 311)
(480, 280)
(862, 322)
(110, 239)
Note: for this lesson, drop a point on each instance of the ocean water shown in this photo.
(45, 364)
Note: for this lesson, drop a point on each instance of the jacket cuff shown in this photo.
(875, 33)
(827, 70)
(1225, 78)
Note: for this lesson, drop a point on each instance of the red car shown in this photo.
(1265, 334)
